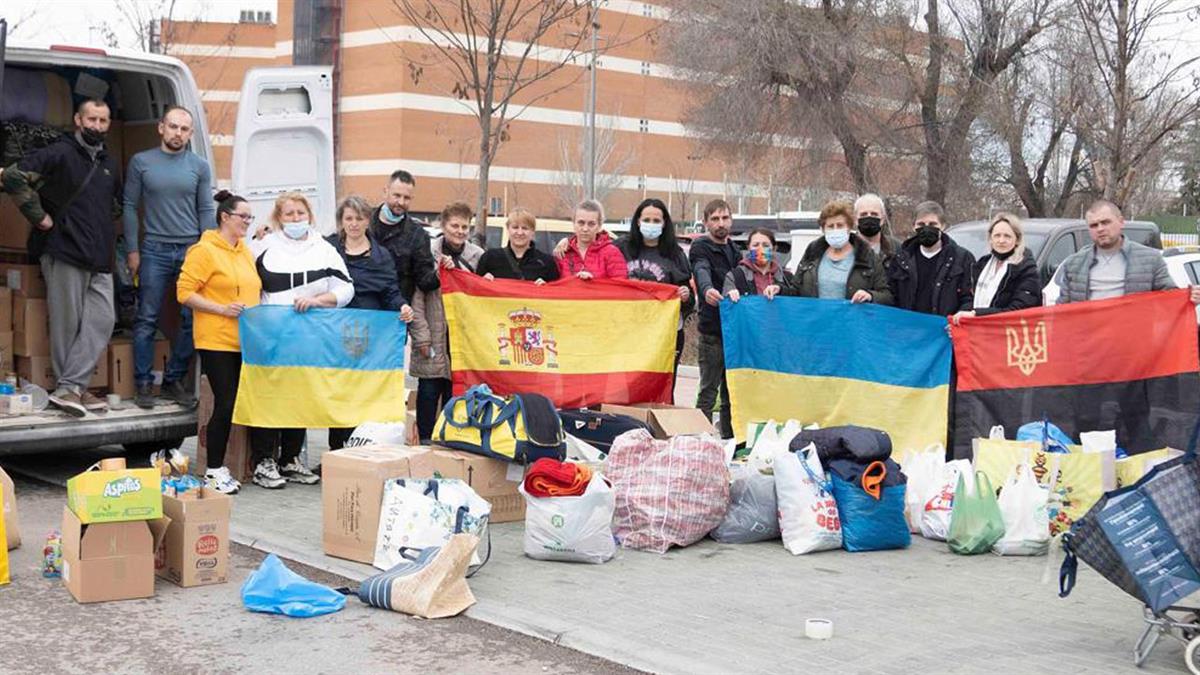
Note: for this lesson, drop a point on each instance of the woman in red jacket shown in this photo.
(591, 253)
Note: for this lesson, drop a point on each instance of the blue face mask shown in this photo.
(386, 215)
(837, 238)
(296, 230)
(651, 230)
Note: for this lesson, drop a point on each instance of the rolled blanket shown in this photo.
(551, 478)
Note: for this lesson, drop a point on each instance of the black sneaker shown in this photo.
(177, 393)
(145, 397)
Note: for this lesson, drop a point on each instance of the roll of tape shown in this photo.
(114, 400)
(112, 464)
(818, 629)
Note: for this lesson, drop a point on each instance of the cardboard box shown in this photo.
(40, 371)
(116, 496)
(6, 309)
(162, 354)
(411, 434)
(237, 448)
(16, 404)
(109, 561)
(195, 549)
(494, 480)
(14, 229)
(31, 327)
(665, 420)
(120, 368)
(25, 280)
(7, 364)
(12, 524)
(352, 482)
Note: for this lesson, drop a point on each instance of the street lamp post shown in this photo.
(590, 139)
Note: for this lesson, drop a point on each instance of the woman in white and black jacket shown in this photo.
(298, 268)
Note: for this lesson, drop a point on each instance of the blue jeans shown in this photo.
(157, 276)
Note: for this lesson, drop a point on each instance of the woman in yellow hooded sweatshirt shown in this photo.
(218, 281)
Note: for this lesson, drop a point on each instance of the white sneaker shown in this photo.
(220, 480)
(296, 472)
(266, 474)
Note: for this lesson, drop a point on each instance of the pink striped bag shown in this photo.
(668, 493)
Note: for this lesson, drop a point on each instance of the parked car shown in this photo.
(1183, 262)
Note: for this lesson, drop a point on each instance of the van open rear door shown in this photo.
(284, 140)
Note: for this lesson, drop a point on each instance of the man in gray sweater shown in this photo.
(174, 188)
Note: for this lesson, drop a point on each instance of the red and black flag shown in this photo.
(1128, 364)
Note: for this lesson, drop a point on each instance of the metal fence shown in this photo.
(1173, 239)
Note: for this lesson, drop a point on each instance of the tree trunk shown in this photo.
(486, 153)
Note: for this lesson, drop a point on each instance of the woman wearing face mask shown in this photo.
(372, 271)
(430, 334)
(300, 269)
(841, 265)
(1005, 279)
(520, 258)
(218, 281)
(652, 253)
(758, 273)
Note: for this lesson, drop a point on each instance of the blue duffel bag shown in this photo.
(871, 510)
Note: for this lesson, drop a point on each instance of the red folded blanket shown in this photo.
(551, 478)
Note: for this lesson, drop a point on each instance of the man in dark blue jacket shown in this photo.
(70, 193)
(711, 258)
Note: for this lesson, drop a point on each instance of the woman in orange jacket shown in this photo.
(218, 281)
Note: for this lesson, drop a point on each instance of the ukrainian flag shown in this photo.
(321, 368)
(833, 363)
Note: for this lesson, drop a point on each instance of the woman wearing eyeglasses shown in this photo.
(930, 273)
(218, 281)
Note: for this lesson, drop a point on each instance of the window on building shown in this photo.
(643, 126)
(641, 183)
(645, 67)
(496, 207)
(647, 9)
(284, 101)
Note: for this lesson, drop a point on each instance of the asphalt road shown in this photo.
(206, 629)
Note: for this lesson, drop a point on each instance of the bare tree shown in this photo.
(1142, 94)
(25, 18)
(611, 164)
(139, 24)
(506, 55)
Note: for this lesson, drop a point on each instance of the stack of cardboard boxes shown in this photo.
(119, 532)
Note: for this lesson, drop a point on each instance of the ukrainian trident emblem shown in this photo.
(1026, 351)
(356, 338)
(524, 342)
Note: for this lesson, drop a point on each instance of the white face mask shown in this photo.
(651, 230)
(296, 230)
(837, 238)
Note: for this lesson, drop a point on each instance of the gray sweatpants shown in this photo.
(80, 303)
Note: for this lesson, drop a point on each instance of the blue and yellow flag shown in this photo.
(320, 368)
(833, 363)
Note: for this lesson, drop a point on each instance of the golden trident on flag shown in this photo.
(1023, 352)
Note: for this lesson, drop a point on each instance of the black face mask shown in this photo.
(91, 136)
(928, 236)
(869, 226)
(1003, 256)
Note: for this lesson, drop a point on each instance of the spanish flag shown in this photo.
(833, 363)
(1128, 364)
(576, 342)
(321, 368)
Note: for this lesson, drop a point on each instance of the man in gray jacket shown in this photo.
(1113, 265)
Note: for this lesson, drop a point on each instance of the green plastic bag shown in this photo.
(975, 520)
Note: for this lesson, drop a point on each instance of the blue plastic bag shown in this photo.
(274, 589)
(1047, 434)
(870, 524)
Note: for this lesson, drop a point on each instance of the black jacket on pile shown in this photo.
(373, 275)
(83, 236)
(710, 263)
(1020, 288)
(953, 287)
(409, 245)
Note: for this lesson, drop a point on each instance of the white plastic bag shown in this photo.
(808, 515)
(418, 513)
(1026, 518)
(571, 529)
(381, 433)
(753, 513)
(773, 440)
(935, 518)
(997, 432)
(924, 470)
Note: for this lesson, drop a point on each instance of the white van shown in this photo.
(138, 86)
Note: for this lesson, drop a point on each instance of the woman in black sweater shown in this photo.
(1006, 279)
(520, 258)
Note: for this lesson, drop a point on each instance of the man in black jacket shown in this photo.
(711, 258)
(404, 236)
(930, 273)
(70, 193)
(871, 221)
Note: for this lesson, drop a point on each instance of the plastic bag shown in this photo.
(1026, 519)
(753, 513)
(1046, 434)
(382, 433)
(871, 523)
(571, 529)
(419, 513)
(975, 522)
(808, 514)
(771, 440)
(274, 589)
(924, 470)
(936, 512)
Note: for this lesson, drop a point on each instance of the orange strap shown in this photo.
(873, 485)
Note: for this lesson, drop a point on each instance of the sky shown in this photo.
(75, 21)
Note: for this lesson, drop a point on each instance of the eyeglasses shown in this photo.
(932, 223)
(247, 217)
